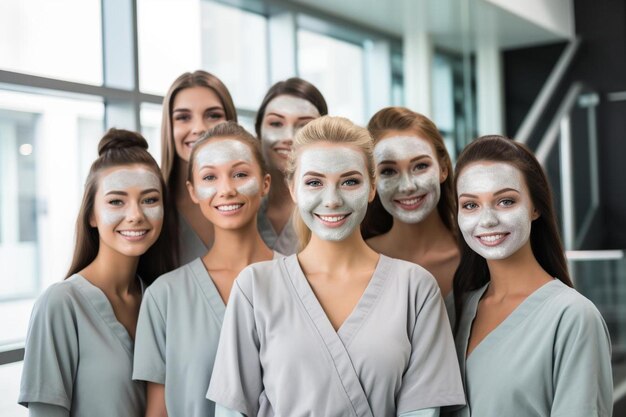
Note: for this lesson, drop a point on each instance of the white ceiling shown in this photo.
(446, 20)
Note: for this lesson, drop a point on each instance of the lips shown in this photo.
(229, 208)
(409, 203)
(492, 239)
(332, 220)
(283, 152)
(133, 234)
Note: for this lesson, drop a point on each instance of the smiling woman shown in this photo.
(82, 329)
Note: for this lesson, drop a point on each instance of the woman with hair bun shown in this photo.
(79, 348)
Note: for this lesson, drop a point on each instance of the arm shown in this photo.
(425, 412)
(226, 412)
(46, 410)
(150, 341)
(155, 400)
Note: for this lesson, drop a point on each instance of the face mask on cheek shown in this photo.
(332, 211)
(494, 232)
(408, 196)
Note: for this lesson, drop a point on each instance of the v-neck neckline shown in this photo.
(360, 311)
(103, 307)
(517, 316)
(208, 287)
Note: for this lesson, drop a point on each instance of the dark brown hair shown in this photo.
(231, 130)
(377, 220)
(117, 148)
(473, 272)
(294, 87)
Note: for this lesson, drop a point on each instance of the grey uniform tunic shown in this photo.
(285, 243)
(78, 356)
(189, 243)
(177, 337)
(550, 357)
(393, 354)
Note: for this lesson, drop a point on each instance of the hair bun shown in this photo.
(116, 139)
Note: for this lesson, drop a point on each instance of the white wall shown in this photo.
(554, 15)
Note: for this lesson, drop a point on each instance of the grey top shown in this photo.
(393, 354)
(190, 245)
(285, 243)
(78, 356)
(550, 357)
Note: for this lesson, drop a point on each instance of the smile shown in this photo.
(189, 144)
(132, 233)
(284, 152)
(492, 239)
(410, 203)
(333, 220)
(229, 207)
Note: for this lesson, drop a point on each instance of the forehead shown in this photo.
(197, 95)
(489, 177)
(124, 177)
(331, 159)
(222, 151)
(402, 147)
(291, 105)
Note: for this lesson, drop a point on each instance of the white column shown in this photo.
(418, 56)
(282, 46)
(9, 203)
(489, 85)
(377, 75)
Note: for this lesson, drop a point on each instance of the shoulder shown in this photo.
(171, 280)
(411, 273)
(60, 300)
(258, 276)
(572, 306)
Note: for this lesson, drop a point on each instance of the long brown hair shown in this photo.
(473, 272)
(197, 78)
(377, 220)
(121, 147)
(294, 87)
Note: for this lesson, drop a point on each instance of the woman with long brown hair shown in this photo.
(287, 107)
(194, 103)
(527, 342)
(412, 216)
(82, 329)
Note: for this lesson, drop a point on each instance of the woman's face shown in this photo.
(495, 209)
(332, 189)
(409, 176)
(194, 111)
(283, 117)
(128, 209)
(227, 183)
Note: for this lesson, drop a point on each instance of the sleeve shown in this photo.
(426, 412)
(226, 412)
(51, 353)
(582, 376)
(150, 339)
(46, 410)
(236, 382)
(432, 378)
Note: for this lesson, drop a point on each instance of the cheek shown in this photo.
(386, 187)
(110, 217)
(518, 219)
(467, 222)
(205, 192)
(428, 181)
(154, 213)
(250, 187)
(307, 199)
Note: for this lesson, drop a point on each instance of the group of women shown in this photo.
(303, 272)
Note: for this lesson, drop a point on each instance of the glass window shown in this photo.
(150, 116)
(10, 376)
(176, 36)
(45, 38)
(46, 147)
(336, 68)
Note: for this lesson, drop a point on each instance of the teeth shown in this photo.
(410, 202)
(190, 144)
(491, 238)
(230, 207)
(133, 233)
(282, 151)
(332, 219)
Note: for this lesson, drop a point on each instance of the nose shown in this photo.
(406, 184)
(227, 188)
(332, 198)
(135, 214)
(488, 218)
(199, 126)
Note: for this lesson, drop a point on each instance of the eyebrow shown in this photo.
(124, 193)
(417, 158)
(502, 191)
(275, 114)
(345, 174)
(234, 165)
(188, 110)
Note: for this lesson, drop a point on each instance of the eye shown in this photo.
(469, 205)
(313, 183)
(351, 182)
(209, 177)
(506, 202)
(116, 202)
(182, 117)
(388, 172)
(240, 174)
(151, 200)
(420, 166)
(216, 115)
(275, 124)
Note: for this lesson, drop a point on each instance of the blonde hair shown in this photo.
(337, 130)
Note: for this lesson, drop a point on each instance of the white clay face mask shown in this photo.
(493, 227)
(224, 152)
(409, 195)
(286, 105)
(332, 209)
(123, 179)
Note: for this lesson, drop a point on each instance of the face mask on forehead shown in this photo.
(408, 196)
(287, 105)
(332, 210)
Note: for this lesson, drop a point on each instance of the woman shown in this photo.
(412, 216)
(337, 329)
(182, 312)
(528, 343)
(79, 349)
(286, 108)
(194, 104)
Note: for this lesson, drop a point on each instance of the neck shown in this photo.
(112, 272)
(236, 249)
(180, 177)
(279, 195)
(423, 236)
(326, 255)
(519, 274)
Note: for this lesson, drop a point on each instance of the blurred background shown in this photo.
(550, 73)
